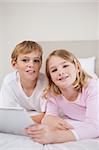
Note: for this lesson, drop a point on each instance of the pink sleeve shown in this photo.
(52, 107)
(90, 127)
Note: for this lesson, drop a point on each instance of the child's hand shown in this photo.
(38, 118)
(56, 122)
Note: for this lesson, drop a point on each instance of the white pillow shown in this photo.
(88, 64)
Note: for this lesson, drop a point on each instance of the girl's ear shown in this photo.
(78, 68)
(13, 63)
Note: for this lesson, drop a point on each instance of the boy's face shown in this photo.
(28, 65)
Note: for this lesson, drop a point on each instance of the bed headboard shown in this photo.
(81, 49)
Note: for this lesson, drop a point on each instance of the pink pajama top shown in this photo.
(82, 114)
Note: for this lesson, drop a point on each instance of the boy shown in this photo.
(24, 86)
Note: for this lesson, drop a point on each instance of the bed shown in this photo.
(15, 142)
(87, 52)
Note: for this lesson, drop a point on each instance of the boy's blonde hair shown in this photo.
(81, 79)
(25, 47)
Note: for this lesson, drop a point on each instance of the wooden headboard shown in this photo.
(81, 49)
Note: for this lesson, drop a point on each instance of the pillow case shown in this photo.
(88, 64)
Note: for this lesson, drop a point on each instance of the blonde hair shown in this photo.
(25, 47)
(81, 79)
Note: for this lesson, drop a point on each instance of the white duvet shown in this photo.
(15, 142)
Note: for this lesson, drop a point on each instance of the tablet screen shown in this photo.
(14, 120)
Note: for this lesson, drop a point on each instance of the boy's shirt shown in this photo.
(12, 94)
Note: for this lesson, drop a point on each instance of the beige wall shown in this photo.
(81, 49)
(44, 22)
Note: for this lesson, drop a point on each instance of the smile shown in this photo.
(63, 78)
(30, 71)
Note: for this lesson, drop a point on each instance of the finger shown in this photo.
(61, 126)
(34, 136)
(34, 132)
(67, 125)
(39, 140)
(37, 127)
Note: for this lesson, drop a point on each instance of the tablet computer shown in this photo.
(14, 120)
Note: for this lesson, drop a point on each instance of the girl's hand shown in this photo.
(56, 122)
(44, 134)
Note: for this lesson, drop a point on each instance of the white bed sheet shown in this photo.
(15, 142)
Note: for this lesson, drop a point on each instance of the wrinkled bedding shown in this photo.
(16, 142)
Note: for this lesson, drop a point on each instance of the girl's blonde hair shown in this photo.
(81, 79)
(25, 47)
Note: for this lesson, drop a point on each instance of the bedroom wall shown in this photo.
(81, 49)
(45, 22)
(98, 19)
(1, 43)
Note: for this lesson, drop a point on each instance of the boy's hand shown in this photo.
(38, 118)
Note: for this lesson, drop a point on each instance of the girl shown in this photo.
(76, 94)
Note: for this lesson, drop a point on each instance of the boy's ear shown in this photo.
(13, 63)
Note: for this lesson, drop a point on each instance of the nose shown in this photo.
(60, 71)
(30, 64)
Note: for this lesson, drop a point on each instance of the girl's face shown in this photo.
(62, 72)
(28, 65)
